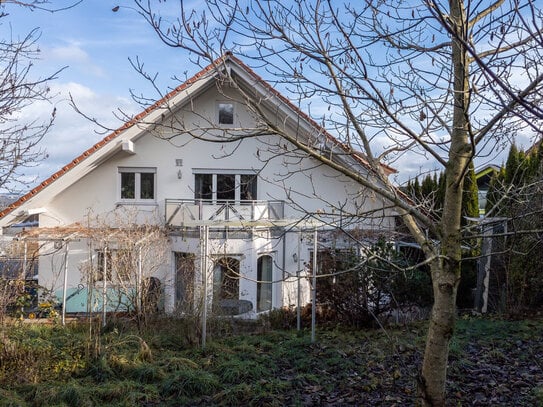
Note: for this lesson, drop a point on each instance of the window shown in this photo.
(247, 187)
(226, 112)
(264, 284)
(128, 185)
(203, 188)
(137, 184)
(103, 265)
(125, 265)
(116, 265)
(226, 187)
(184, 281)
(222, 187)
(225, 280)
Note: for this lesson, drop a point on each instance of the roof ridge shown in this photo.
(358, 155)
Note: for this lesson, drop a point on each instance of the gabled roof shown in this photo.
(208, 72)
(487, 169)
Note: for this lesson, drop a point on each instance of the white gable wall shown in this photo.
(311, 186)
(302, 183)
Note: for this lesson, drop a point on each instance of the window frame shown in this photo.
(239, 188)
(261, 285)
(138, 190)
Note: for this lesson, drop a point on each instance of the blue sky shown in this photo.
(94, 43)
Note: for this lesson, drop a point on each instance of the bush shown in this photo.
(358, 290)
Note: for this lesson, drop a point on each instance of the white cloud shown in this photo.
(72, 133)
(76, 57)
(71, 52)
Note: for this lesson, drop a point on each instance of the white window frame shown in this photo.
(260, 284)
(236, 172)
(137, 184)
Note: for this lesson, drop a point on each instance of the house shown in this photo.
(483, 176)
(206, 194)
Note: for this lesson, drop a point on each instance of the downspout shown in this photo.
(299, 285)
(284, 267)
(204, 276)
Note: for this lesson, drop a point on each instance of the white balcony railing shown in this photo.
(184, 212)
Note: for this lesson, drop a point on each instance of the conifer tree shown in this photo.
(470, 197)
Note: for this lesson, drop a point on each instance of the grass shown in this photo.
(51, 365)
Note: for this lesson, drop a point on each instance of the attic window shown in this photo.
(226, 112)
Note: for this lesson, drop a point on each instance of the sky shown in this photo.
(94, 45)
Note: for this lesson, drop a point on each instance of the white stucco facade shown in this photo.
(165, 147)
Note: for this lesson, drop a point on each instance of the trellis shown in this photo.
(77, 232)
(65, 235)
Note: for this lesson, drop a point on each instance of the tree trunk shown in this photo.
(446, 269)
(445, 279)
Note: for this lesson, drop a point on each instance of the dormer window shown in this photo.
(226, 112)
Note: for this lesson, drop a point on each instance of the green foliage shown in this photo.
(470, 196)
(36, 353)
(10, 398)
(189, 383)
(280, 318)
(274, 369)
(413, 287)
(431, 193)
(516, 194)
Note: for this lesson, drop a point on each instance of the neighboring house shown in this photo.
(483, 176)
(235, 218)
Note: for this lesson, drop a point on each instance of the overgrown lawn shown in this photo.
(492, 362)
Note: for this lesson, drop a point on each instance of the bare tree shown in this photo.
(21, 85)
(444, 81)
(125, 260)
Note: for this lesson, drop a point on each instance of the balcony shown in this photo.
(194, 212)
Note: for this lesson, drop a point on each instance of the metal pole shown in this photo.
(64, 289)
(299, 298)
(25, 261)
(314, 287)
(204, 276)
(139, 288)
(104, 289)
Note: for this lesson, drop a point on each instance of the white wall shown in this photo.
(301, 182)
